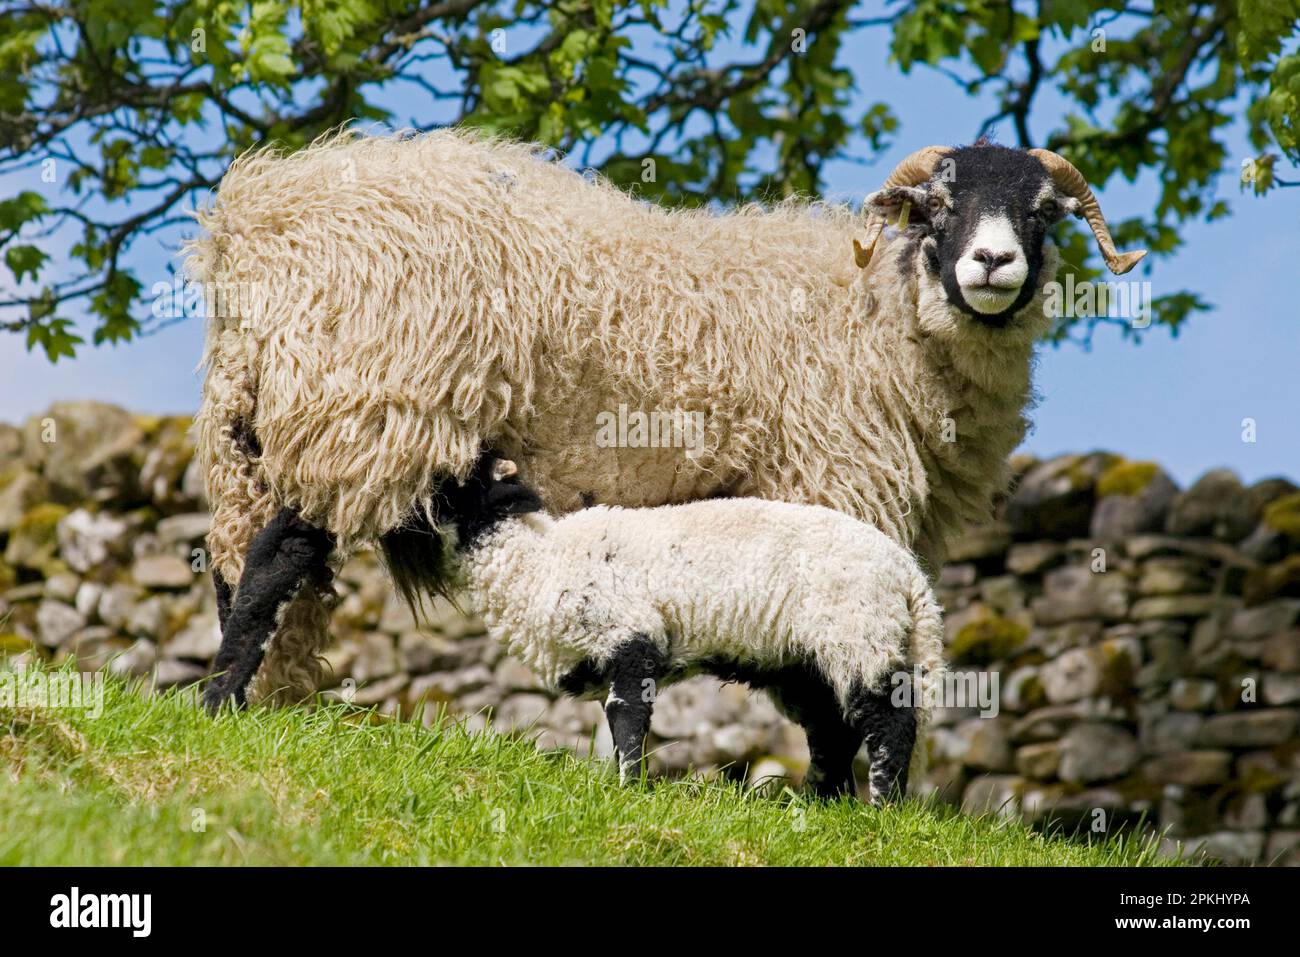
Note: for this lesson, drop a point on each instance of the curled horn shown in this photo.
(503, 469)
(915, 169)
(1071, 182)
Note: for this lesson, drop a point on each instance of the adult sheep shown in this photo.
(406, 302)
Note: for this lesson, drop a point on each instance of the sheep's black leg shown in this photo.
(224, 595)
(283, 556)
(805, 698)
(632, 674)
(890, 733)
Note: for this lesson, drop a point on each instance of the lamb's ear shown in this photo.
(899, 205)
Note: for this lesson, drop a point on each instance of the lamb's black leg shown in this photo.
(890, 733)
(282, 557)
(805, 698)
(632, 674)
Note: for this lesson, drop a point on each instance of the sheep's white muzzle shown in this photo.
(993, 268)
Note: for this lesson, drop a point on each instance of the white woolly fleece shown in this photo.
(769, 584)
(410, 299)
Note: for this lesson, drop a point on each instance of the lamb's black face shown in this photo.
(484, 499)
(982, 221)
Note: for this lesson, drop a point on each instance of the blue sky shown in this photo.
(1179, 401)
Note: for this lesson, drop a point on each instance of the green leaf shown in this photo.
(24, 259)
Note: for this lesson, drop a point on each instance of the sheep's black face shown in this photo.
(982, 221)
(476, 505)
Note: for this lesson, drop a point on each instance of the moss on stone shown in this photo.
(148, 424)
(1117, 673)
(13, 644)
(1273, 581)
(1283, 515)
(987, 640)
(1127, 478)
(40, 523)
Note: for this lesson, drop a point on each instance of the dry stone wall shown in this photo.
(1144, 639)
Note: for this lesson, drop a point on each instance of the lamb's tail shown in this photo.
(242, 503)
(925, 651)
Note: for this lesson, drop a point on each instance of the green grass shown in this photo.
(153, 780)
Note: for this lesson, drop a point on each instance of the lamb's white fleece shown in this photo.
(769, 584)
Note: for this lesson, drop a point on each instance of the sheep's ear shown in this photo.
(899, 205)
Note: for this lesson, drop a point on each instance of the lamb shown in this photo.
(822, 610)
(410, 301)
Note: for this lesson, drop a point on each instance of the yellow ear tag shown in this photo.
(902, 216)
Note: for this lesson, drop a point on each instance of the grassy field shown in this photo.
(153, 780)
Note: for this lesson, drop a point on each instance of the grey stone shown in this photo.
(1216, 505)
(1280, 689)
(92, 455)
(449, 685)
(1076, 674)
(87, 599)
(1055, 498)
(200, 639)
(1039, 761)
(1032, 558)
(1096, 752)
(170, 673)
(1246, 812)
(979, 542)
(1193, 694)
(23, 490)
(1173, 576)
(1169, 733)
(376, 658)
(118, 604)
(510, 673)
(1117, 517)
(521, 712)
(1282, 651)
(162, 570)
(377, 692)
(1022, 690)
(1231, 847)
(957, 576)
(397, 616)
(87, 540)
(995, 794)
(135, 660)
(1076, 592)
(421, 653)
(1175, 606)
(984, 745)
(57, 622)
(62, 587)
(1262, 621)
(186, 528)
(1248, 729)
(1190, 768)
(150, 618)
(1283, 849)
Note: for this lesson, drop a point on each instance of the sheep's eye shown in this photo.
(1050, 209)
(936, 204)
